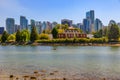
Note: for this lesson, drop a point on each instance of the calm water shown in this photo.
(76, 59)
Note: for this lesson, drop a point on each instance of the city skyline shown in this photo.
(52, 10)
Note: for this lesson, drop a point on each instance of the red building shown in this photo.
(71, 33)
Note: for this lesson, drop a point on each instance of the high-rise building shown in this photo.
(111, 22)
(44, 25)
(32, 22)
(80, 26)
(23, 22)
(98, 24)
(54, 24)
(91, 16)
(10, 23)
(1, 30)
(38, 25)
(49, 26)
(16, 27)
(66, 21)
(86, 24)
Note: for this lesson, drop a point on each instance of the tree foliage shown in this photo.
(44, 36)
(18, 36)
(113, 33)
(25, 36)
(55, 32)
(11, 37)
(4, 37)
(98, 34)
(34, 34)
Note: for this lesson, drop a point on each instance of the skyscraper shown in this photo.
(1, 30)
(66, 21)
(98, 24)
(91, 16)
(38, 25)
(23, 22)
(10, 24)
(32, 23)
(86, 24)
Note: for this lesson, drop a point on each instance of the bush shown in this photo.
(75, 40)
(44, 36)
(11, 38)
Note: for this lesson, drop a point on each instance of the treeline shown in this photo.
(23, 36)
(109, 34)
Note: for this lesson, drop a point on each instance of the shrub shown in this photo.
(11, 38)
(44, 36)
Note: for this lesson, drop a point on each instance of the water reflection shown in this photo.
(88, 59)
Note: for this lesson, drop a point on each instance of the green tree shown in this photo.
(113, 33)
(54, 32)
(11, 37)
(65, 26)
(18, 36)
(98, 34)
(33, 35)
(4, 37)
(25, 36)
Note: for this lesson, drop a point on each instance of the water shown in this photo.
(104, 61)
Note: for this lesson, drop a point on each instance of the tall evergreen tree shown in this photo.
(4, 37)
(18, 36)
(34, 34)
(113, 33)
(55, 32)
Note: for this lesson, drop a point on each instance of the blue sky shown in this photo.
(55, 10)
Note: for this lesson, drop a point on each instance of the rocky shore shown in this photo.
(57, 75)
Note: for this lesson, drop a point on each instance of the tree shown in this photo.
(65, 26)
(25, 36)
(4, 37)
(11, 37)
(18, 36)
(98, 34)
(113, 33)
(33, 35)
(54, 32)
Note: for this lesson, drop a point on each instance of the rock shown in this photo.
(104, 79)
(64, 78)
(35, 72)
(56, 71)
(33, 78)
(17, 78)
(51, 73)
(11, 76)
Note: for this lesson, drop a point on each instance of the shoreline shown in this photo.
(117, 44)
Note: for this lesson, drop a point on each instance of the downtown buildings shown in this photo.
(89, 25)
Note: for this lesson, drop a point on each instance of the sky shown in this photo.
(55, 10)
